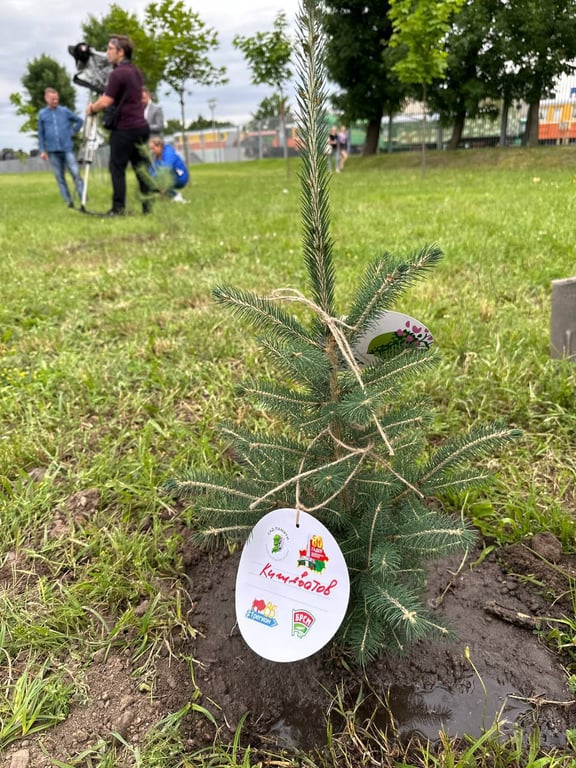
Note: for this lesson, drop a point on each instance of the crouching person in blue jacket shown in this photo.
(168, 169)
(56, 126)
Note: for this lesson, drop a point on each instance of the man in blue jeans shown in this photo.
(56, 126)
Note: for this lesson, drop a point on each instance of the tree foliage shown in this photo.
(463, 90)
(202, 123)
(358, 61)
(271, 107)
(117, 21)
(171, 45)
(466, 55)
(498, 53)
(528, 45)
(268, 55)
(420, 29)
(41, 73)
(183, 43)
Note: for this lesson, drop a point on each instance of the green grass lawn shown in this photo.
(116, 367)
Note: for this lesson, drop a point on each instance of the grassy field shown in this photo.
(116, 366)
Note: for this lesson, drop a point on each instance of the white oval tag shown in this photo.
(388, 330)
(292, 586)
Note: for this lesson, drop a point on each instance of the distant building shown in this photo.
(557, 115)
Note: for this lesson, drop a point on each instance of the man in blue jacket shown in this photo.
(56, 126)
(168, 169)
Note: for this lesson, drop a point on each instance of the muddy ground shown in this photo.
(496, 608)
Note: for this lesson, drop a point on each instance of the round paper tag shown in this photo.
(388, 330)
(292, 586)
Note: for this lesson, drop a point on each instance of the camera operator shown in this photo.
(128, 139)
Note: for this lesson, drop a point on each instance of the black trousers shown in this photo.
(128, 147)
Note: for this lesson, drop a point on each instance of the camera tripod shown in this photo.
(88, 152)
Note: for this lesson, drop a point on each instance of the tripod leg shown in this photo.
(85, 185)
(90, 139)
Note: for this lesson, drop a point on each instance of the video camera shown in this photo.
(93, 67)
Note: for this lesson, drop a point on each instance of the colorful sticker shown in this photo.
(314, 556)
(262, 612)
(302, 621)
(277, 542)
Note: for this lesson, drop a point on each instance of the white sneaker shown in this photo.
(178, 198)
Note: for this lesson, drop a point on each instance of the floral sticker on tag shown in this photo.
(292, 586)
(392, 330)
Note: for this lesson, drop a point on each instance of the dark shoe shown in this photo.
(115, 212)
(70, 204)
(146, 208)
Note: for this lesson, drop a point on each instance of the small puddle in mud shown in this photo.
(458, 712)
(416, 712)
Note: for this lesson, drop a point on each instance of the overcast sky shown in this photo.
(31, 28)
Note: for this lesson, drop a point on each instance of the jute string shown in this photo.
(336, 327)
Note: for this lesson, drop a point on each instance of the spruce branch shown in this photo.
(281, 398)
(385, 279)
(305, 474)
(253, 441)
(262, 314)
(393, 372)
(480, 440)
(404, 613)
(299, 363)
(459, 482)
(194, 484)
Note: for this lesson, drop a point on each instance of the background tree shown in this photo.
(97, 32)
(420, 30)
(528, 45)
(182, 43)
(270, 108)
(173, 126)
(463, 90)
(204, 123)
(358, 60)
(268, 54)
(42, 72)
